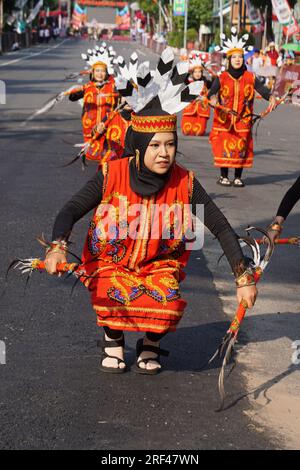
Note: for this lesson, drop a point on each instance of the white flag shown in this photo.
(35, 11)
(20, 4)
(282, 10)
(255, 17)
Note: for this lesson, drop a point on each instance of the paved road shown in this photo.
(52, 395)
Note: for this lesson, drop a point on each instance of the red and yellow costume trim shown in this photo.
(164, 123)
(99, 64)
(235, 50)
(134, 281)
(231, 136)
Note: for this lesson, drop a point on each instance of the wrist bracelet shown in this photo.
(276, 227)
(57, 246)
(245, 279)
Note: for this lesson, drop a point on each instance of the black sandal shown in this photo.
(238, 183)
(112, 344)
(223, 181)
(140, 347)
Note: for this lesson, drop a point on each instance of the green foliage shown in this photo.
(199, 12)
(191, 34)
(178, 23)
(175, 39)
(149, 7)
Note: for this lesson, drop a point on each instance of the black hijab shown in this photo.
(144, 181)
(236, 73)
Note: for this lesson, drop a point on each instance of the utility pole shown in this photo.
(185, 22)
(69, 12)
(231, 13)
(264, 43)
(244, 15)
(221, 17)
(159, 13)
(287, 30)
(240, 15)
(1, 24)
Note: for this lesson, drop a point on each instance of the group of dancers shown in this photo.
(129, 123)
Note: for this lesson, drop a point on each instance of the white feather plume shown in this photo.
(167, 83)
(227, 44)
(100, 54)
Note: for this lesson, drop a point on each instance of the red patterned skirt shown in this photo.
(231, 149)
(125, 300)
(193, 125)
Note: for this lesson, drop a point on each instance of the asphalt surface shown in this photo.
(52, 394)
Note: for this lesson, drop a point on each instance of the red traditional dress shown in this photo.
(109, 145)
(231, 136)
(98, 104)
(135, 274)
(195, 117)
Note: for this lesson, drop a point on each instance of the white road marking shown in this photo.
(38, 111)
(29, 56)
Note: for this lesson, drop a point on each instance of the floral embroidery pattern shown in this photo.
(128, 287)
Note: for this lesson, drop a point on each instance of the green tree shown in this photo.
(199, 12)
(149, 7)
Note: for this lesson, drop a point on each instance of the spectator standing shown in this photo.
(272, 53)
(47, 34)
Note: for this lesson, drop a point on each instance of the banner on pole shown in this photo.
(282, 10)
(255, 17)
(288, 76)
(179, 7)
(21, 4)
(79, 16)
(285, 17)
(35, 11)
(123, 18)
(11, 19)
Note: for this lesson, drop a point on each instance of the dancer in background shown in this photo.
(231, 135)
(195, 116)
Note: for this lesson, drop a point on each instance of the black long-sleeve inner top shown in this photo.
(264, 91)
(89, 197)
(291, 197)
(78, 95)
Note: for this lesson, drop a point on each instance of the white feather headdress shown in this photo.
(196, 60)
(230, 45)
(165, 89)
(100, 55)
(128, 72)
